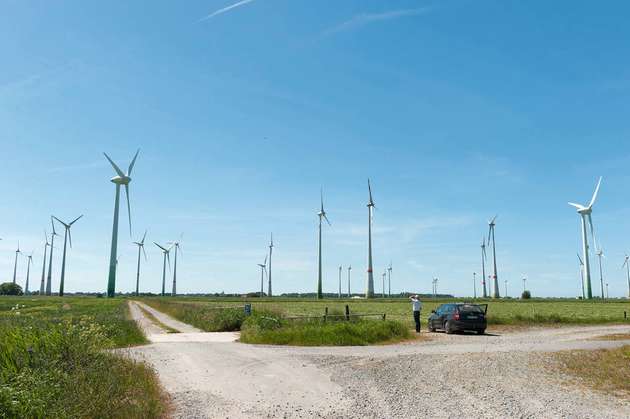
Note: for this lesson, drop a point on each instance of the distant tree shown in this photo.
(9, 288)
(526, 295)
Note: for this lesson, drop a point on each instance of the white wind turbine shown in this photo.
(495, 275)
(167, 257)
(626, 264)
(67, 236)
(585, 214)
(581, 275)
(369, 291)
(17, 252)
(349, 269)
(269, 273)
(42, 285)
(177, 245)
(389, 280)
(28, 271)
(140, 245)
(322, 215)
(123, 179)
(600, 255)
(384, 276)
(483, 267)
(50, 260)
(263, 270)
(340, 268)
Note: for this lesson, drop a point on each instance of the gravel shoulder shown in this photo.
(510, 375)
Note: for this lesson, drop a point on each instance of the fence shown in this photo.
(347, 316)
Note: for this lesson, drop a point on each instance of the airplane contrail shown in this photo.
(225, 9)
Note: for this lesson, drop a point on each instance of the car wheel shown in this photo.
(447, 327)
(481, 331)
(430, 328)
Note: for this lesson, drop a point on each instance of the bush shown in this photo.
(526, 295)
(9, 288)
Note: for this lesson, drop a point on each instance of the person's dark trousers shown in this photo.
(416, 318)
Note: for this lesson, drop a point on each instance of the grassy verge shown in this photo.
(156, 321)
(267, 328)
(54, 361)
(207, 318)
(607, 369)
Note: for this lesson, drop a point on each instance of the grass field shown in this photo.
(54, 360)
(509, 312)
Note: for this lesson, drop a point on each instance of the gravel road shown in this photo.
(209, 375)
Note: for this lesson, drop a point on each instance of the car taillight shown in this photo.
(456, 316)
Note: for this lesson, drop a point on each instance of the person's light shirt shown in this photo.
(417, 304)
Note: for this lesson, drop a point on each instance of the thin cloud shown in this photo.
(225, 9)
(364, 19)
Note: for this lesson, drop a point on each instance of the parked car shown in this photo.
(459, 317)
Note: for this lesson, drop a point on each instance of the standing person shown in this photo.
(417, 307)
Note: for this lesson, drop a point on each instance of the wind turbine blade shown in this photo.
(489, 232)
(168, 258)
(116, 168)
(160, 246)
(128, 206)
(326, 218)
(145, 253)
(265, 262)
(493, 219)
(321, 196)
(578, 206)
(580, 259)
(595, 193)
(64, 224)
(143, 237)
(133, 162)
(69, 237)
(590, 223)
(370, 190)
(75, 220)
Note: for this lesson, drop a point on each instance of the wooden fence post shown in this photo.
(325, 314)
(347, 312)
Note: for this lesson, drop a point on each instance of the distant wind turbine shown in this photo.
(389, 279)
(121, 178)
(322, 215)
(495, 276)
(627, 266)
(263, 270)
(140, 245)
(28, 272)
(600, 255)
(349, 269)
(167, 257)
(67, 236)
(17, 252)
(42, 285)
(384, 276)
(340, 281)
(50, 260)
(581, 275)
(585, 214)
(369, 291)
(177, 245)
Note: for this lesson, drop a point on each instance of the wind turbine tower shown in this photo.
(582, 275)
(627, 266)
(384, 276)
(269, 272)
(17, 252)
(177, 245)
(340, 268)
(28, 271)
(585, 214)
(600, 255)
(389, 279)
(350, 268)
(50, 260)
(263, 270)
(495, 276)
(369, 291)
(483, 267)
(67, 236)
(322, 215)
(140, 245)
(42, 285)
(120, 179)
(167, 257)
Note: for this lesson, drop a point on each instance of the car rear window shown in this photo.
(469, 308)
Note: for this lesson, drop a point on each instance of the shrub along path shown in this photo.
(482, 376)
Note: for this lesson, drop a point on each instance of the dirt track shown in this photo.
(210, 375)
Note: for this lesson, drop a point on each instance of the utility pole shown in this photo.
(339, 281)
(475, 285)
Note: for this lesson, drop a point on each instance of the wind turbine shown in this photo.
(65, 240)
(263, 270)
(17, 252)
(483, 267)
(167, 257)
(52, 246)
(140, 245)
(28, 271)
(42, 285)
(475, 285)
(389, 279)
(322, 215)
(495, 277)
(269, 273)
(369, 292)
(177, 250)
(384, 276)
(506, 293)
(600, 255)
(120, 179)
(585, 213)
(627, 266)
(581, 275)
(524, 280)
(349, 269)
(340, 281)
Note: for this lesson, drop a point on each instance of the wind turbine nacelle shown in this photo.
(120, 180)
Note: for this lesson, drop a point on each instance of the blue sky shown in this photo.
(456, 110)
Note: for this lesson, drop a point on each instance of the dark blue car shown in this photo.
(459, 317)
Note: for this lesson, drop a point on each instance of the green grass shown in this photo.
(202, 316)
(504, 312)
(54, 360)
(272, 328)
